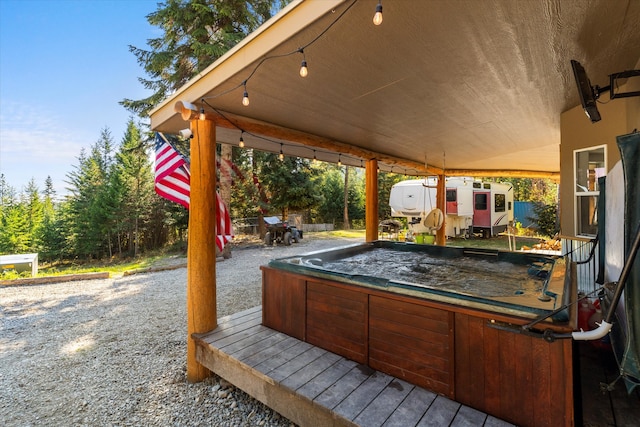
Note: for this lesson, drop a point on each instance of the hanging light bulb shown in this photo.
(304, 71)
(377, 18)
(339, 160)
(245, 95)
(281, 155)
(241, 143)
(315, 159)
(202, 115)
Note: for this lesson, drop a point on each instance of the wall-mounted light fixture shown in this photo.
(187, 110)
(186, 133)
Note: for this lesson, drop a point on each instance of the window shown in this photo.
(481, 202)
(451, 195)
(501, 202)
(589, 164)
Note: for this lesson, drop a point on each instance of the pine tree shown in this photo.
(34, 213)
(133, 183)
(288, 183)
(195, 33)
(91, 206)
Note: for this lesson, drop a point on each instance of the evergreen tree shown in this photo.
(288, 183)
(91, 206)
(13, 224)
(34, 212)
(330, 186)
(385, 182)
(51, 234)
(132, 185)
(195, 33)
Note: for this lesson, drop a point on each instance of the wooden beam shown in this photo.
(256, 127)
(201, 247)
(232, 121)
(492, 173)
(371, 200)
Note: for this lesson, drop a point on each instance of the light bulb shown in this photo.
(245, 99)
(339, 160)
(202, 115)
(377, 18)
(281, 155)
(304, 71)
(315, 159)
(241, 143)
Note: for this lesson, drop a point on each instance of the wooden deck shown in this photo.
(314, 387)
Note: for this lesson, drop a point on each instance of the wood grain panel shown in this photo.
(283, 302)
(411, 342)
(526, 380)
(336, 320)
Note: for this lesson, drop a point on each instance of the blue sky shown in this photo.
(64, 66)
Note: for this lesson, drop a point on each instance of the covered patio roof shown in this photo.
(466, 87)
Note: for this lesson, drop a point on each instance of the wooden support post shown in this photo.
(371, 200)
(441, 191)
(201, 250)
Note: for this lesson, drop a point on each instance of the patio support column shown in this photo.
(441, 191)
(371, 200)
(201, 249)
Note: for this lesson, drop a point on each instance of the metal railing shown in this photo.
(585, 253)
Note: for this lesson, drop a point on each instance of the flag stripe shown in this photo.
(173, 182)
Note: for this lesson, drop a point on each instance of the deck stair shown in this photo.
(314, 387)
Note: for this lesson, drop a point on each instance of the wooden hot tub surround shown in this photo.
(450, 349)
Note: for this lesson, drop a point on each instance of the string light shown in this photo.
(202, 115)
(281, 155)
(339, 160)
(304, 71)
(241, 143)
(315, 159)
(377, 18)
(245, 95)
(361, 163)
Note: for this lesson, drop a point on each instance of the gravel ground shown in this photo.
(113, 352)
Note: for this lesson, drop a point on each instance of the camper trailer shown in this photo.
(471, 206)
(492, 207)
(415, 199)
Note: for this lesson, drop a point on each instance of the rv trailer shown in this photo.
(415, 199)
(471, 206)
(492, 207)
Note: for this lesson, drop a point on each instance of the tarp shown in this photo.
(629, 359)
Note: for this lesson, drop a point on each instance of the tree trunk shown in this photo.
(345, 216)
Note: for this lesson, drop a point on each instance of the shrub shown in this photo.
(546, 219)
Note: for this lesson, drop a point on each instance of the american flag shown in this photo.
(173, 183)
(172, 172)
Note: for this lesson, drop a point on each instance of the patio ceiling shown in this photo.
(472, 87)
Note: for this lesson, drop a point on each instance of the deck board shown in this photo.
(385, 404)
(314, 387)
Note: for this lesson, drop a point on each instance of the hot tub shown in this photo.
(518, 283)
(428, 314)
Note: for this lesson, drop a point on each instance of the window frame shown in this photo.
(579, 194)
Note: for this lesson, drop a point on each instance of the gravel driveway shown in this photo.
(113, 352)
